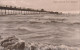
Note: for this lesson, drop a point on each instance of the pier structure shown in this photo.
(12, 10)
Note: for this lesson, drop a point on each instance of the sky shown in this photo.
(51, 5)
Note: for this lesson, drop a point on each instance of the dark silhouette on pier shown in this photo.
(20, 10)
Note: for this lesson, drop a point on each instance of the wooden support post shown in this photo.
(11, 12)
(1, 12)
(21, 12)
(8, 12)
(26, 12)
(5, 11)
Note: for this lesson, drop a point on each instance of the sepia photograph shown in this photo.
(39, 24)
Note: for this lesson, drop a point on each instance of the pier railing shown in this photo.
(10, 10)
